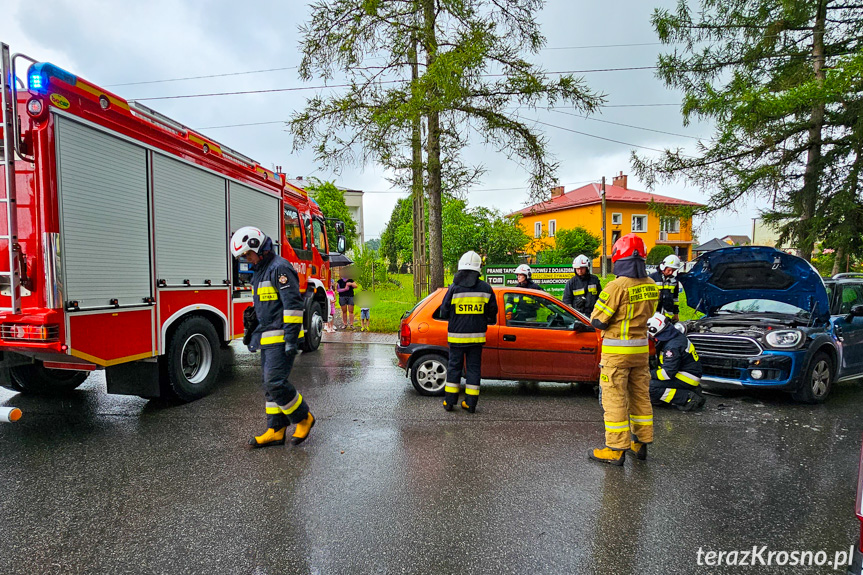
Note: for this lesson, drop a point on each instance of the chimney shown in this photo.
(619, 181)
(556, 191)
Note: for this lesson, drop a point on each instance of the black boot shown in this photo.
(693, 402)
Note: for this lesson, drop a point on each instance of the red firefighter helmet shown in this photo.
(628, 245)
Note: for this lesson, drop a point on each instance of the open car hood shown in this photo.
(754, 272)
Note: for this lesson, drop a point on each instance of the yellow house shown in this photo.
(626, 211)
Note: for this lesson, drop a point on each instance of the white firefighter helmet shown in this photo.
(470, 261)
(523, 269)
(247, 239)
(671, 262)
(656, 324)
(581, 261)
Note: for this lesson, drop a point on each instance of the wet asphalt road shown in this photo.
(390, 483)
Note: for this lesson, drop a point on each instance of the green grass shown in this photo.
(389, 303)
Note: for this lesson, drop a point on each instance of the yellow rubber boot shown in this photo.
(301, 433)
(609, 456)
(639, 449)
(269, 437)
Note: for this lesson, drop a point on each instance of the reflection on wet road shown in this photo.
(390, 483)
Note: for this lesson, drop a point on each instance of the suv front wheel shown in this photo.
(817, 381)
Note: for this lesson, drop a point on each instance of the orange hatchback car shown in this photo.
(536, 338)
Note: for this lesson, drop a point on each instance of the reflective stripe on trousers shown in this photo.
(625, 346)
(466, 337)
(292, 316)
(273, 336)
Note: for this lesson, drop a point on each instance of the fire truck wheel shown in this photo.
(315, 329)
(36, 378)
(193, 359)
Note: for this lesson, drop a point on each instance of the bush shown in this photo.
(657, 254)
(368, 266)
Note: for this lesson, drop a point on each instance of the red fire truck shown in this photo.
(114, 230)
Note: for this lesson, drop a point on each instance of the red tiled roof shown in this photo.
(592, 194)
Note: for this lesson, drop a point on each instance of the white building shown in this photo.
(353, 199)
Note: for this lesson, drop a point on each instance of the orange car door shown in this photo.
(540, 339)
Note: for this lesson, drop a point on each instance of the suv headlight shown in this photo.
(784, 338)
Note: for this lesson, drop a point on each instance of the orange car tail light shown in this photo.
(405, 334)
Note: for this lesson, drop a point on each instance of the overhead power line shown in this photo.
(604, 46)
(590, 135)
(480, 190)
(593, 46)
(202, 77)
(380, 82)
(627, 125)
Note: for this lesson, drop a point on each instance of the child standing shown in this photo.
(365, 311)
(331, 303)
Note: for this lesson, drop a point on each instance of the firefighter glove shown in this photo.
(291, 348)
(250, 324)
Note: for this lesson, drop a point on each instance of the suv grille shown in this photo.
(725, 345)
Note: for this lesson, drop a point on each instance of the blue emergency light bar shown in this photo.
(39, 76)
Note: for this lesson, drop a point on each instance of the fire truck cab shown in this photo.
(114, 230)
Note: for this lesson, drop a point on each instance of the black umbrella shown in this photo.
(338, 260)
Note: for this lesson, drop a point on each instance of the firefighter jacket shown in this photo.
(669, 292)
(530, 284)
(470, 306)
(278, 303)
(677, 359)
(622, 311)
(580, 294)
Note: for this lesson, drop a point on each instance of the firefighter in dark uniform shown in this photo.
(470, 306)
(677, 378)
(278, 308)
(523, 308)
(583, 288)
(621, 312)
(669, 289)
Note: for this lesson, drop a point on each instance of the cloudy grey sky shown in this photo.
(119, 45)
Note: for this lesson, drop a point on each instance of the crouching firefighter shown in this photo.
(621, 312)
(470, 307)
(278, 309)
(677, 378)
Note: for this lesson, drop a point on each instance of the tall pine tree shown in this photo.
(781, 81)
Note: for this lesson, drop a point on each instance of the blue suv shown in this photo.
(772, 322)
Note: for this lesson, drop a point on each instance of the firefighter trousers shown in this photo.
(284, 403)
(673, 392)
(465, 359)
(625, 383)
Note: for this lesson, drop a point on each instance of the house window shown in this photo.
(670, 225)
(639, 223)
(616, 219)
(537, 229)
(552, 228)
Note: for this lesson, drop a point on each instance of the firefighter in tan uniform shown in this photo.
(621, 312)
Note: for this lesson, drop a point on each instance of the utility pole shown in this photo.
(604, 250)
(420, 268)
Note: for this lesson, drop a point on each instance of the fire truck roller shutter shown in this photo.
(190, 222)
(249, 207)
(105, 230)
